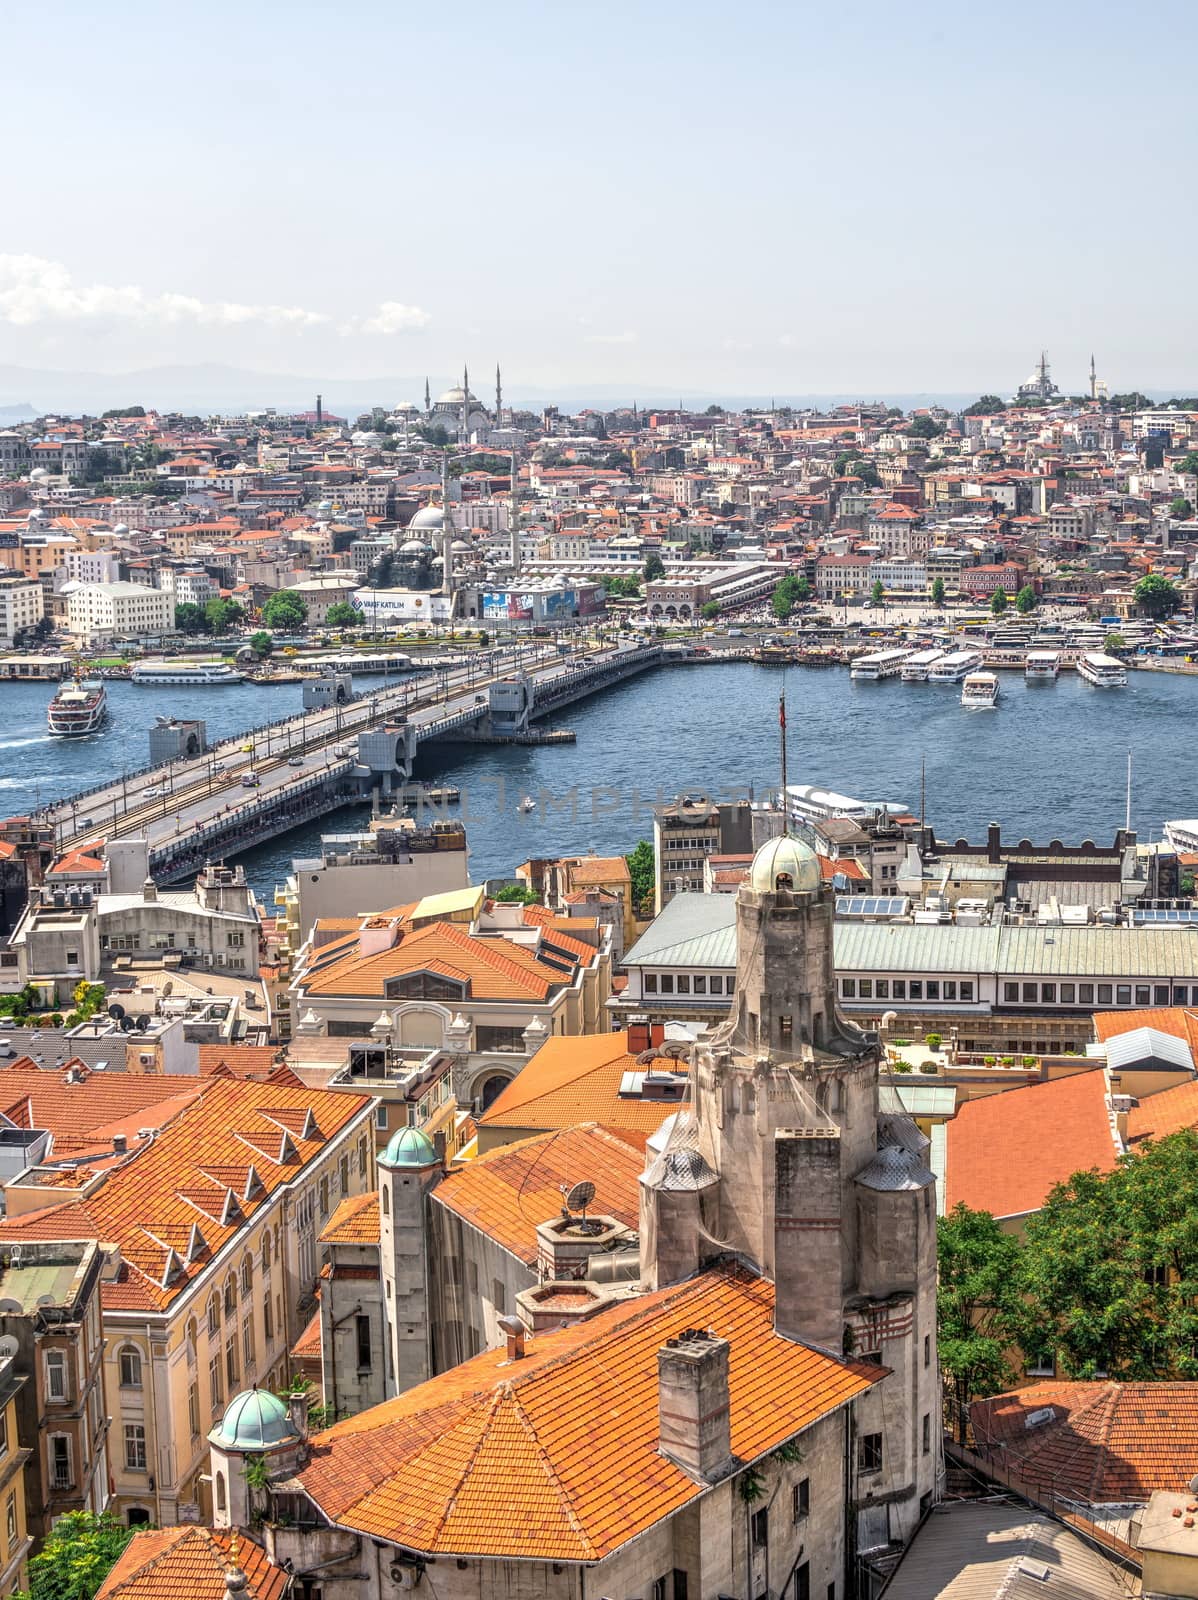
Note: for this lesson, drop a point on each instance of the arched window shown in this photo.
(266, 1250)
(56, 1375)
(213, 1314)
(230, 1295)
(386, 1201)
(247, 1275)
(130, 1360)
(191, 1335)
(493, 1087)
(221, 1503)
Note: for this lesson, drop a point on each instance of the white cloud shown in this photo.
(34, 290)
(736, 344)
(392, 317)
(610, 338)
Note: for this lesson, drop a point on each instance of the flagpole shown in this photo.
(782, 732)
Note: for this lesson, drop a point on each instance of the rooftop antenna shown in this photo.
(782, 739)
(923, 790)
(1127, 813)
(575, 1201)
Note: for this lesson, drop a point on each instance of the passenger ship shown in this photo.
(1103, 671)
(980, 690)
(954, 666)
(193, 674)
(878, 664)
(916, 667)
(79, 708)
(1042, 666)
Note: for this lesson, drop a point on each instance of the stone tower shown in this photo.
(786, 1161)
(408, 1168)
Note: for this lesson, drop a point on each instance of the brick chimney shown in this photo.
(638, 1035)
(808, 1222)
(694, 1426)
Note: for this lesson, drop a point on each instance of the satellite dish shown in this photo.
(116, 1012)
(8, 1347)
(580, 1196)
(127, 1024)
(143, 1022)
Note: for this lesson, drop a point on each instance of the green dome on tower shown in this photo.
(255, 1420)
(409, 1148)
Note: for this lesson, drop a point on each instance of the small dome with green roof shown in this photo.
(409, 1148)
(255, 1420)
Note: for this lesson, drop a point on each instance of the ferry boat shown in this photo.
(79, 708)
(185, 674)
(527, 804)
(1103, 671)
(878, 664)
(980, 690)
(954, 666)
(1041, 665)
(916, 668)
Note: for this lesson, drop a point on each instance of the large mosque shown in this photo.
(459, 411)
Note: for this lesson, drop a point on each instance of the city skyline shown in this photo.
(795, 203)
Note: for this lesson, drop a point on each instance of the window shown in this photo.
(60, 1461)
(729, 985)
(135, 1447)
(967, 989)
(1048, 993)
(1030, 992)
(882, 989)
(927, 1349)
(700, 982)
(1181, 995)
(247, 1343)
(247, 1275)
(786, 1029)
(1123, 994)
(362, 1163)
(761, 1528)
(365, 1355)
(213, 1314)
(230, 1295)
(950, 989)
(1085, 994)
(10, 1518)
(268, 1331)
(1041, 1364)
(1105, 993)
(343, 1174)
(3, 1433)
(216, 1387)
(232, 1366)
(848, 988)
(933, 989)
(1010, 991)
(193, 1409)
(801, 1499)
(927, 1433)
(803, 1581)
(324, 1197)
(1143, 994)
(865, 988)
(684, 983)
(900, 988)
(650, 982)
(869, 1453)
(56, 1375)
(130, 1368)
(1068, 993)
(667, 983)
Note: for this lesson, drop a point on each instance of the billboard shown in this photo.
(386, 607)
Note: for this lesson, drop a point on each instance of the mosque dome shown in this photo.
(255, 1419)
(409, 1147)
(785, 857)
(458, 545)
(454, 396)
(121, 528)
(38, 474)
(428, 517)
(405, 408)
(412, 547)
(325, 508)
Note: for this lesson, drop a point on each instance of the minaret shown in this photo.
(1093, 379)
(465, 404)
(498, 398)
(446, 532)
(428, 400)
(514, 521)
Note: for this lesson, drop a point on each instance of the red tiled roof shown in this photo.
(190, 1564)
(574, 1080)
(554, 1457)
(1006, 1151)
(1107, 1442)
(83, 1114)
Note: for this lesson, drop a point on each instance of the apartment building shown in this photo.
(22, 606)
(15, 1540)
(100, 612)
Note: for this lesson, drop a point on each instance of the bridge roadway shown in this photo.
(192, 809)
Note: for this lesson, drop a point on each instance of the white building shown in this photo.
(97, 612)
(21, 606)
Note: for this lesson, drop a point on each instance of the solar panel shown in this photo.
(870, 905)
(1147, 918)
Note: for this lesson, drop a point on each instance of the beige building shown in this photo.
(22, 607)
(100, 612)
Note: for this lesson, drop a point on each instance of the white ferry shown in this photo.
(916, 668)
(1103, 671)
(980, 690)
(879, 664)
(954, 666)
(1041, 665)
(185, 674)
(79, 708)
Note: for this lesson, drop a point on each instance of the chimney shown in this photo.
(993, 844)
(808, 1221)
(513, 1327)
(694, 1425)
(297, 1405)
(120, 1143)
(638, 1035)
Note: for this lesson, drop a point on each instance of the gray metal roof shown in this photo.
(1140, 1045)
(975, 1551)
(894, 1168)
(693, 930)
(917, 1099)
(50, 1048)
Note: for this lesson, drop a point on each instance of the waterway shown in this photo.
(1048, 763)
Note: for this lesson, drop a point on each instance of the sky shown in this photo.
(778, 198)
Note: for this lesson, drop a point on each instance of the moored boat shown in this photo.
(79, 708)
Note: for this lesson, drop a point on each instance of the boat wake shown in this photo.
(22, 744)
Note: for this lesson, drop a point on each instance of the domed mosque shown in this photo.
(460, 412)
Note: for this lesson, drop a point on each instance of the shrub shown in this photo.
(934, 1041)
(1031, 1063)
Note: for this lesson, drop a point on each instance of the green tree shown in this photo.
(654, 568)
(1181, 508)
(521, 894)
(223, 615)
(80, 1551)
(190, 619)
(714, 411)
(977, 1299)
(986, 405)
(937, 591)
(925, 427)
(284, 610)
(261, 642)
(1188, 464)
(1157, 596)
(998, 602)
(1113, 643)
(1109, 1267)
(877, 594)
(343, 615)
(641, 865)
(1025, 600)
(710, 610)
(123, 411)
(1132, 401)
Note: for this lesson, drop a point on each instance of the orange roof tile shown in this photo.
(308, 1346)
(190, 1564)
(241, 1060)
(355, 1221)
(210, 1169)
(1181, 1022)
(1107, 1442)
(1006, 1151)
(1164, 1113)
(555, 1457)
(505, 1193)
(573, 1080)
(83, 1114)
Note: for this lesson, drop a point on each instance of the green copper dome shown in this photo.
(254, 1420)
(409, 1148)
